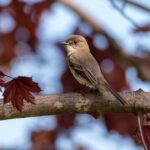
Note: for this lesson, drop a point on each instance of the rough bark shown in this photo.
(75, 103)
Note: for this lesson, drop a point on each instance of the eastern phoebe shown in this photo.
(85, 68)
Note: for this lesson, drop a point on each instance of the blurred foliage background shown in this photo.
(118, 33)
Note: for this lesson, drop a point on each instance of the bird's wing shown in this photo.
(84, 71)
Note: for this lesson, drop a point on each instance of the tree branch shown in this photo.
(127, 60)
(122, 12)
(73, 103)
(138, 5)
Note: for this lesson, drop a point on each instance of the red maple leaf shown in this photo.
(19, 89)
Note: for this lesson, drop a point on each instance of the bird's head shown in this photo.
(76, 43)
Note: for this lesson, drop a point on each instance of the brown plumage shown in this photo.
(84, 66)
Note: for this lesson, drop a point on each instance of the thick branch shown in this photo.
(73, 103)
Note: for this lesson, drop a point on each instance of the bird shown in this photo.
(85, 68)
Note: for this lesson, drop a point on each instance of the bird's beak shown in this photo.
(64, 43)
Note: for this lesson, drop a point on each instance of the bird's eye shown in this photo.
(75, 42)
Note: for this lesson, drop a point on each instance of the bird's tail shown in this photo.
(105, 86)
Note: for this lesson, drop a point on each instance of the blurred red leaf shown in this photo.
(123, 123)
(18, 89)
(65, 121)
(44, 140)
(25, 16)
(145, 28)
(38, 8)
(146, 132)
(81, 148)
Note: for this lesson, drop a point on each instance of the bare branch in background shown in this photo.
(122, 12)
(138, 5)
(141, 64)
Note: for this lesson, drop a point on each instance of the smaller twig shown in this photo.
(124, 14)
(4, 75)
(141, 131)
(8, 76)
(136, 4)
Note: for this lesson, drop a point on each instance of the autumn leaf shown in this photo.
(19, 89)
